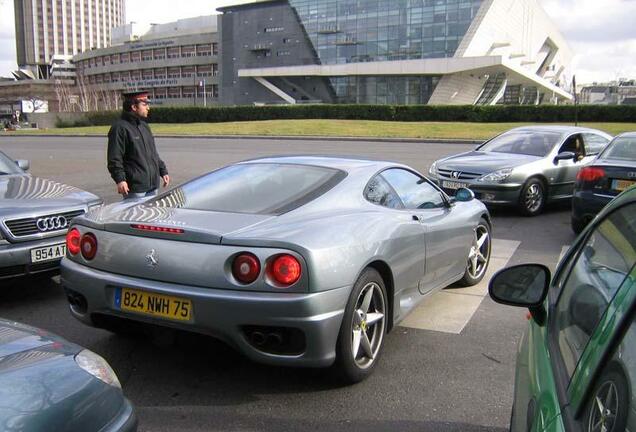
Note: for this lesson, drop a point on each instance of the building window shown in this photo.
(273, 29)
(135, 56)
(147, 74)
(125, 57)
(188, 51)
(204, 71)
(215, 69)
(160, 73)
(146, 55)
(282, 53)
(159, 54)
(174, 72)
(174, 92)
(204, 50)
(215, 48)
(174, 52)
(187, 71)
(187, 92)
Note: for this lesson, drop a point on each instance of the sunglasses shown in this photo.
(144, 103)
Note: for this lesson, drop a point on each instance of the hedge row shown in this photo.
(443, 113)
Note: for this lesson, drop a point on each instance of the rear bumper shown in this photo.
(15, 258)
(587, 204)
(223, 313)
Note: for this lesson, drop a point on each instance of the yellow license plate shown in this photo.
(157, 305)
(621, 185)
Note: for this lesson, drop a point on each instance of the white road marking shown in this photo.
(450, 310)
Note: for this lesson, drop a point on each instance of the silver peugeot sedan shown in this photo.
(34, 216)
(525, 167)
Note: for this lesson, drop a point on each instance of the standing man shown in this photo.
(133, 161)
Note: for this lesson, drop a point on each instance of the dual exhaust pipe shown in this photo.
(270, 339)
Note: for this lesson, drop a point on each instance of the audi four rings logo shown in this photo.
(52, 223)
(455, 174)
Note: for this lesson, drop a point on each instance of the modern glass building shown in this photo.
(391, 51)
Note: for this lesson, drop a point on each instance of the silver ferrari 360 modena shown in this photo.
(299, 260)
(34, 216)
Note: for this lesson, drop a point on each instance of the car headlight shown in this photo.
(497, 176)
(97, 366)
(433, 169)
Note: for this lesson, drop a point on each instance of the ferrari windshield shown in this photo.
(255, 188)
(526, 142)
(8, 166)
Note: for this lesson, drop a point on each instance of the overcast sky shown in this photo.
(600, 32)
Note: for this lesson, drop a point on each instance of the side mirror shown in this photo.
(464, 195)
(23, 164)
(566, 155)
(523, 285)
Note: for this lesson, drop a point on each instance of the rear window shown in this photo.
(531, 143)
(253, 188)
(622, 149)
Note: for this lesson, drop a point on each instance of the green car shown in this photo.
(576, 366)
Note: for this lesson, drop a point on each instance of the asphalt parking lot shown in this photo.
(449, 367)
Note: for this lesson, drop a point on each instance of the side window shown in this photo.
(575, 145)
(594, 143)
(379, 192)
(603, 263)
(414, 191)
(611, 406)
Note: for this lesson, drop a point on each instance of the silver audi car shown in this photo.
(34, 216)
(300, 261)
(525, 167)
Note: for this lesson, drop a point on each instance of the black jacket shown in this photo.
(132, 155)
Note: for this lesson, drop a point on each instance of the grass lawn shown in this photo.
(341, 128)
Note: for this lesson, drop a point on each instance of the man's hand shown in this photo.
(166, 180)
(122, 188)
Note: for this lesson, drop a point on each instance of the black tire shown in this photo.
(532, 198)
(355, 367)
(612, 381)
(473, 275)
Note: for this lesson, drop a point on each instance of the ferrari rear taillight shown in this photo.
(590, 174)
(285, 270)
(88, 245)
(246, 267)
(73, 241)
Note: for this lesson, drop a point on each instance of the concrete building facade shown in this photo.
(392, 52)
(48, 28)
(176, 62)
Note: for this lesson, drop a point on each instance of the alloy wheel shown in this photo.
(604, 409)
(368, 325)
(533, 199)
(479, 252)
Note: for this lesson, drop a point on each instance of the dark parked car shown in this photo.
(525, 167)
(50, 384)
(34, 216)
(576, 365)
(613, 171)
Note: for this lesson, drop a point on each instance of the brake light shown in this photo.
(246, 268)
(157, 229)
(88, 246)
(590, 174)
(285, 270)
(73, 241)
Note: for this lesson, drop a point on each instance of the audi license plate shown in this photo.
(621, 185)
(453, 185)
(157, 305)
(48, 253)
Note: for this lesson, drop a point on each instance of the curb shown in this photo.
(273, 137)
